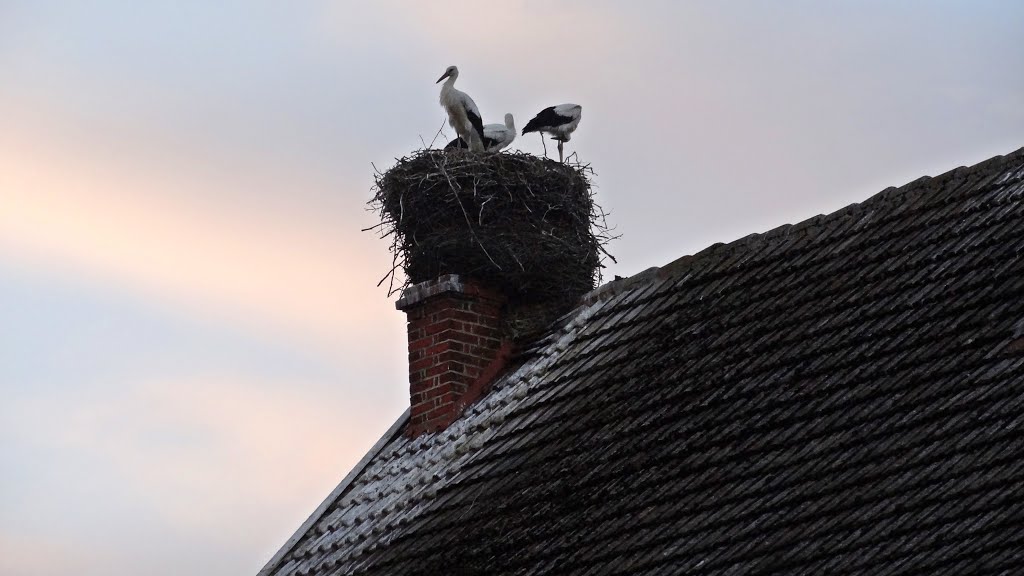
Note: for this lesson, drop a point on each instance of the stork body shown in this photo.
(558, 121)
(457, 144)
(497, 137)
(463, 115)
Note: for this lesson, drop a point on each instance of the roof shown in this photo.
(841, 395)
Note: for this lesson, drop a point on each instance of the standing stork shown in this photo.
(558, 121)
(496, 136)
(463, 115)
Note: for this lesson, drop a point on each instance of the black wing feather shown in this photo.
(477, 123)
(547, 118)
(457, 143)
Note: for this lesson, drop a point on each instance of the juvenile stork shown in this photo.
(496, 136)
(558, 121)
(463, 115)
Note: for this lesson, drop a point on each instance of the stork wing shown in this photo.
(473, 114)
(457, 143)
(476, 121)
(497, 135)
(494, 131)
(545, 119)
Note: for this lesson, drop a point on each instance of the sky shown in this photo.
(193, 347)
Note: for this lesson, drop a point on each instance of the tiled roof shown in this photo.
(844, 395)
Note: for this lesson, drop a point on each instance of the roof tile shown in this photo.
(840, 395)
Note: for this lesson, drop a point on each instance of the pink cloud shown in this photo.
(188, 239)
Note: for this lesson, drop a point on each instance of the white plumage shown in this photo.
(558, 121)
(497, 137)
(463, 115)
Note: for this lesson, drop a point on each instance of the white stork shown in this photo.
(463, 115)
(558, 121)
(497, 137)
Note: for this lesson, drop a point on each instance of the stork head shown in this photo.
(452, 71)
(509, 123)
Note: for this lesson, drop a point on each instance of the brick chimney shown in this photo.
(455, 348)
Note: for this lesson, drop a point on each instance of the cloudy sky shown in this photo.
(193, 349)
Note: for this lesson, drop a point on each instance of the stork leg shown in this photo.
(544, 144)
(560, 151)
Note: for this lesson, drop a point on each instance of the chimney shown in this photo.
(455, 348)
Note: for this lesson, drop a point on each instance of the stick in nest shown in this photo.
(541, 239)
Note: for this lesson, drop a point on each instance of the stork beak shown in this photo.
(446, 74)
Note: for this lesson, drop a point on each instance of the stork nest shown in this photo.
(525, 225)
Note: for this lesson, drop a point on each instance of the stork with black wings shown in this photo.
(463, 115)
(558, 121)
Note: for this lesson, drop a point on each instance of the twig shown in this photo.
(544, 239)
(436, 135)
(470, 224)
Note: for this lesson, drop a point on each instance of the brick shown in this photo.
(452, 356)
(480, 351)
(485, 331)
(436, 349)
(419, 386)
(453, 337)
(456, 378)
(437, 369)
(440, 389)
(458, 336)
(419, 411)
(422, 364)
(420, 343)
(440, 326)
(441, 411)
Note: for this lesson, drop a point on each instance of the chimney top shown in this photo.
(417, 293)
